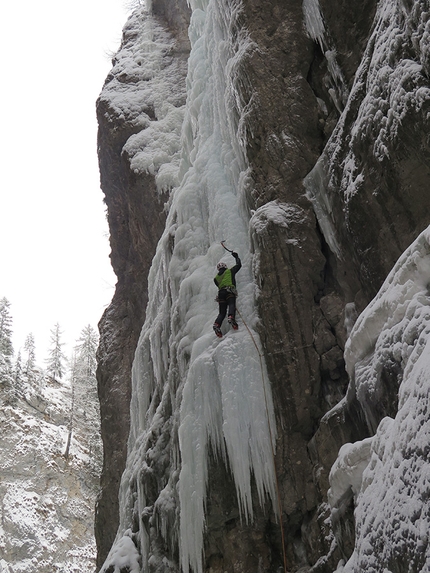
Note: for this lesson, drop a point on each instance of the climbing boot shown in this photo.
(232, 322)
(217, 330)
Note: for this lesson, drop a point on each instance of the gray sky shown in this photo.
(54, 248)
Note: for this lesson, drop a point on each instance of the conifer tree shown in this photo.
(6, 348)
(17, 374)
(30, 363)
(56, 360)
(84, 393)
(86, 351)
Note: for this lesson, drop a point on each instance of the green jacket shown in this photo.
(228, 277)
(225, 280)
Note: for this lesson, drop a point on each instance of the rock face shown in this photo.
(320, 115)
(136, 218)
(381, 476)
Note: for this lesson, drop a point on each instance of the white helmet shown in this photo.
(221, 265)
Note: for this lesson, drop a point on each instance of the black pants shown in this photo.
(226, 300)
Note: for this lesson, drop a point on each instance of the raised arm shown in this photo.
(238, 264)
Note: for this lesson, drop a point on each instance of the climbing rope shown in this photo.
(271, 440)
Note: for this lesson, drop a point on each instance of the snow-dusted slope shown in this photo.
(47, 502)
(390, 473)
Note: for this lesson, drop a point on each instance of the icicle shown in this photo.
(315, 27)
(314, 21)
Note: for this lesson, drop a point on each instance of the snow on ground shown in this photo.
(390, 473)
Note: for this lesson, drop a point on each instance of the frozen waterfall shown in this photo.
(203, 394)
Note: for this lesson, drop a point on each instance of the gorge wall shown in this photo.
(136, 219)
(299, 132)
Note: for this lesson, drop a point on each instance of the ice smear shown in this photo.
(347, 471)
(316, 183)
(390, 497)
(314, 23)
(193, 394)
(392, 324)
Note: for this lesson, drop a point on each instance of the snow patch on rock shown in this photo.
(145, 71)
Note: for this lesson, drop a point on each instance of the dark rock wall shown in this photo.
(377, 161)
(302, 299)
(136, 222)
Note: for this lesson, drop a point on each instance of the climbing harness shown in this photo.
(232, 290)
(271, 439)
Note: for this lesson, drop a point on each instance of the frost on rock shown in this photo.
(392, 335)
(389, 95)
(144, 91)
(195, 397)
(280, 214)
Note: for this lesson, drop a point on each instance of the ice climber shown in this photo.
(227, 293)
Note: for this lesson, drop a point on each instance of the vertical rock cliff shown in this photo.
(143, 92)
(298, 132)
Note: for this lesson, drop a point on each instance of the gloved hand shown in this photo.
(235, 255)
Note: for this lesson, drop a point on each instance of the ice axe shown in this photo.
(229, 250)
